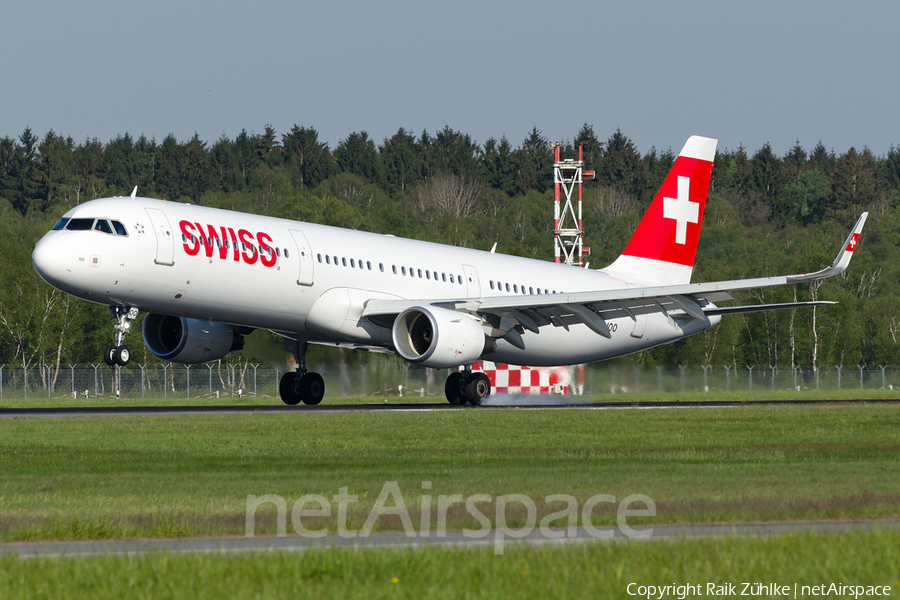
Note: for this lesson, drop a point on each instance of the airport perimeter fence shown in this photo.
(397, 379)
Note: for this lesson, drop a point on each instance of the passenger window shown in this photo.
(360, 263)
(381, 267)
(531, 290)
(285, 253)
(368, 265)
(451, 277)
(459, 279)
(228, 244)
(492, 284)
(394, 269)
(515, 288)
(403, 270)
(119, 228)
(344, 261)
(427, 275)
(420, 273)
(103, 226)
(507, 287)
(327, 260)
(184, 238)
(352, 263)
(61, 224)
(80, 224)
(444, 277)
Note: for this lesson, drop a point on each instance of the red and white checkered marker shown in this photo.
(515, 379)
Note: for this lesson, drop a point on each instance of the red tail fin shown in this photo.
(663, 246)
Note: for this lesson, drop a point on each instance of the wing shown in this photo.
(594, 308)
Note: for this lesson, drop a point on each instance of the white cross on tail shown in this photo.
(682, 210)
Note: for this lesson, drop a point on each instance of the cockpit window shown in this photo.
(61, 224)
(103, 225)
(120, 229)
(80, 224)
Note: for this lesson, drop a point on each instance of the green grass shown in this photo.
(190, 475)
(589, 570)
(38, 401)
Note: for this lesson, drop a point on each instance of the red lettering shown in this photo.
(249, 253)
(215, 241)
(218, 237)
(204, 241)
(187, 230)
(266, 253)
(234, 242)
(223, 254)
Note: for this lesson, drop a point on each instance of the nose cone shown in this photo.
(51, 260)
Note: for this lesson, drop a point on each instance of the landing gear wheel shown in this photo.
(109, 356)
(123, 355)
(286, 389)
(451, 389)
(478, 387)
(312, 388)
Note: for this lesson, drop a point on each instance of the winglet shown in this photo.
(134, 192)
(843, 258)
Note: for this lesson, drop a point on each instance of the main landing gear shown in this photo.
(120, 354)
(300, 385)
(466, 386)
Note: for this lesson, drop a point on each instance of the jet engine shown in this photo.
(189, 341)
(437, 337)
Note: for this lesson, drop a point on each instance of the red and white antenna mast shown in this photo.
(568, 232)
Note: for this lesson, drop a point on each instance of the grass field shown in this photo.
(190, 475)
(589, 570)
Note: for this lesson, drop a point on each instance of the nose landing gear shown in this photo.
(120, 354)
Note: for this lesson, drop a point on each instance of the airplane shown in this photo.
(207, 277)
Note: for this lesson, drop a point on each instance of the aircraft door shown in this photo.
(304, 255)
(473, 286)
(165, 241)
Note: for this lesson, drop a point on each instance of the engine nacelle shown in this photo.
(437, 337)
(189, 341)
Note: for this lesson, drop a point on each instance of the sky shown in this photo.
(745, 73)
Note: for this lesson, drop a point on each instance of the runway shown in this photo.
(293, 543)
(496, 403)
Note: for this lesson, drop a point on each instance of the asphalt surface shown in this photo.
(228, 544)
(495, 403)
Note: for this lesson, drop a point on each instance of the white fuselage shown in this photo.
(316, 280)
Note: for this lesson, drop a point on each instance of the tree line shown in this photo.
(766, 214)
